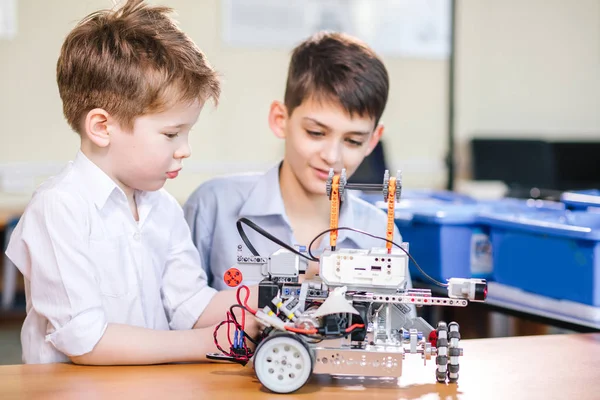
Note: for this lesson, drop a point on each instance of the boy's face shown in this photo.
(144, 157)
(322, 135)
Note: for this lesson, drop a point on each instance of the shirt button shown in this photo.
(137, 236)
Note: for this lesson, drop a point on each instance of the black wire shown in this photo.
(312, 257)
(344, 228)
(245, 239)
(266, 234)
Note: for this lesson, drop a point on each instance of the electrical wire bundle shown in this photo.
(238, 348)
(239, 351)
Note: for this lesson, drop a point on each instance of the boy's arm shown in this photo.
(132, 345)
(53, 253)
(50, 246)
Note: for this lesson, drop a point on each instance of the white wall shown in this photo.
(528, 68)
(522, 66)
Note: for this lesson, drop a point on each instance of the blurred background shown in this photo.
(488, 99)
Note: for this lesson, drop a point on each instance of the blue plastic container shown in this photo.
(440, 195)
(581, 200)
(551, 253)
(448, 239)
(439, 237)
(421, 196)
(513, 205)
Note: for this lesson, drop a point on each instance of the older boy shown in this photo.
(112, 276)
(336, 91)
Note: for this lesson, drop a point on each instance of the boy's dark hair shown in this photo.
(334, 66)
(131, 61)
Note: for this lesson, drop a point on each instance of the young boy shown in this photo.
(336, 91)
(112, 275)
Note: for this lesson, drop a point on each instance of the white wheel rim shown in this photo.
(453, 360)
(442, 351)
(282, 364)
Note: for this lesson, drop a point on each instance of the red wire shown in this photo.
(244, 357)
(239, 327)
(245, 303)
(355, 326)
(298, 330)
(216, 340)
(229, 321)
(313, 331)
(237, 296)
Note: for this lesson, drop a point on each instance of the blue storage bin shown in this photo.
(449, 240)
(513, 205)
(442, 239)
(580, 200)
(551, 253)
(420, 196)
(440, 195)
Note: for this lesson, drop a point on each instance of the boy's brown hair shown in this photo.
(337, 67)
(131, 61)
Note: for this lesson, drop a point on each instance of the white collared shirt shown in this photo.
(87, 263)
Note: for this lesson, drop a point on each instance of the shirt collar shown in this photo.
(99, 185)
(145, 201)
(265, 200)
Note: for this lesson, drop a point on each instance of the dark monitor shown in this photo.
(373, 167)
(577, 165)
(524, 163)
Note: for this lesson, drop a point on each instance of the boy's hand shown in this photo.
(252, 329)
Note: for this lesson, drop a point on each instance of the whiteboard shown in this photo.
(403, 28)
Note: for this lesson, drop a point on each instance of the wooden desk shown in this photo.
(533, 367)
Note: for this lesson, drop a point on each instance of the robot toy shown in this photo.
(355, 318)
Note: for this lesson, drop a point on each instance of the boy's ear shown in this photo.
(96, 127)
(278, 117)
(375, 137)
